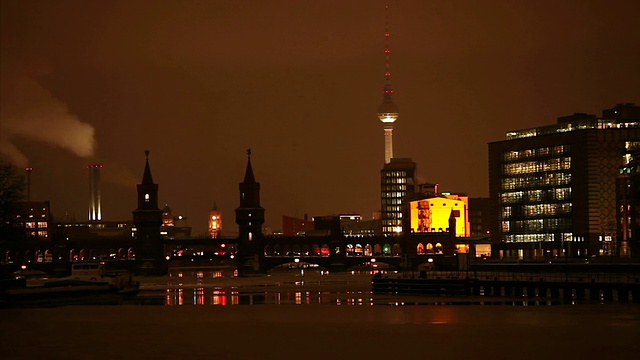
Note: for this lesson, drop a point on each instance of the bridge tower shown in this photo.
(249, 217)
(147, 219)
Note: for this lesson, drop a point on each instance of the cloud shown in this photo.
(29, 110)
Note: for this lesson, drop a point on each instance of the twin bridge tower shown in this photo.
(147, 218)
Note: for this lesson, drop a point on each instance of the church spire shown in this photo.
(248, 174)
(147, 179)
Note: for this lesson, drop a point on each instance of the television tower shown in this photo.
(388, 112)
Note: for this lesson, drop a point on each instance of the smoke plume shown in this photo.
(29, 110)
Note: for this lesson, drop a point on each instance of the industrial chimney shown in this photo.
(95, 207)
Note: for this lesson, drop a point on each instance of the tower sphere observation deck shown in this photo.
(388, 111)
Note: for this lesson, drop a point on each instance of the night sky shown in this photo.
(298, 82)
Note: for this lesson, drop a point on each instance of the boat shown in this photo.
(89, 284)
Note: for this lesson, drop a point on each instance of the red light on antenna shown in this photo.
(387, 51)
(386, 34)
(29, 168)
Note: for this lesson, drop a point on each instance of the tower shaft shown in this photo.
(388, 144)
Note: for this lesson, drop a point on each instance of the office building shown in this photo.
(553, 188)
(397, 180)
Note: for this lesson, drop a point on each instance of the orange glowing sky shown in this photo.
(299, 82)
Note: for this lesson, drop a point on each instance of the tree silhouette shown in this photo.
(12, 186)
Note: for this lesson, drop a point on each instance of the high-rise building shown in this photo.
(397, 180)
(95, 205)
(553, 188)
(628, 204)
(388, 112)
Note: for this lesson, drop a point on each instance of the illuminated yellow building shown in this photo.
(434, 214)
(215, 222)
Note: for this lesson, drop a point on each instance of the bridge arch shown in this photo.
(325, 250)
(438, 248)
(386, 249)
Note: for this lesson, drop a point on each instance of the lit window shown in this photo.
(146, 197)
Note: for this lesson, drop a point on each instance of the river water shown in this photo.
(316, 317)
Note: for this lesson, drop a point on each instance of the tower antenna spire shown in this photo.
(387, 52)
(388, 112)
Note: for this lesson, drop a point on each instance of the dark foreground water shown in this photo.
(291, 320)
(321, 332)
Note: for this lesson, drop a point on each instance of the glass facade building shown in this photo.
(552, 188)
(397, 180)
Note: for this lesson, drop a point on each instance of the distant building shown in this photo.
(167, 217)
(171, 228)
(34, 217)
(215, 222)
(397, 180)
(552, 188)
(480, 216)
(292, 226)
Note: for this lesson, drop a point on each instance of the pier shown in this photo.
(580, 287)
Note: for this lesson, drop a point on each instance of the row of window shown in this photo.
(394, 187)
(536, 210)
(394, 180)
(533, 153)
(536, 180)
(537, 166)
(537, 195)
(394, 174)
(391, 201)
(392, 208)
(34, 224)
(539, 237)
(536, 225)
(393, 194)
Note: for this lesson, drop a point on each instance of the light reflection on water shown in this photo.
(231, 297)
